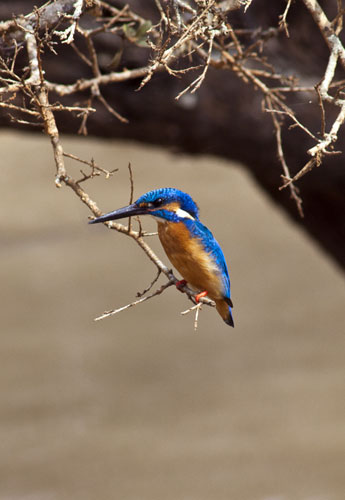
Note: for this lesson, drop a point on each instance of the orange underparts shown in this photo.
(200, 295)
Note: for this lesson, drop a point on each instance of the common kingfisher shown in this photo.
(189, 245)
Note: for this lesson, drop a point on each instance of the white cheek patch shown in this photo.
(183, 214)
(179, 212)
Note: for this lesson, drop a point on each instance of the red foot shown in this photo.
(180, 284)
(200, 295)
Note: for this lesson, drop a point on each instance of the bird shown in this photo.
(189, 245)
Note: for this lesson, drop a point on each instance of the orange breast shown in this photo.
(188, 256)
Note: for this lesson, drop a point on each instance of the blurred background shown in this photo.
(139, 406)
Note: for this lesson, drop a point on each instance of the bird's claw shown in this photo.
(199, 296)
(180, 284)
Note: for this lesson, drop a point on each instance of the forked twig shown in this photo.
(197, 309)
(160, 290)
(282, 18)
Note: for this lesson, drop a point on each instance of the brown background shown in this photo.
(139, 407)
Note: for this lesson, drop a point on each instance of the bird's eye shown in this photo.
(156, 203)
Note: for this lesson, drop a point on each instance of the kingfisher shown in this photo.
(190, 246)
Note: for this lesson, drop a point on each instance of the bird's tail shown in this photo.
(223, 307)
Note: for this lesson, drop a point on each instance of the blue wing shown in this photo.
(213, 248)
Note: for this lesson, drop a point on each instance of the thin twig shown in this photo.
(108, 107)
(293, 189)
(197, 309)
(92, 164)
(140, 294)
(131, 194)
(282, 18)
(107, 314)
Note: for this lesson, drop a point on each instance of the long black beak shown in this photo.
(129, 211)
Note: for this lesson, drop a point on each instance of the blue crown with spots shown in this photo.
(164, 196)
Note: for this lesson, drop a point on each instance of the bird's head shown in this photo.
(166, 204)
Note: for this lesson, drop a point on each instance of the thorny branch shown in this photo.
(191, 36)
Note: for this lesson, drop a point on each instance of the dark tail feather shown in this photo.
(229, 320)
(224, 309)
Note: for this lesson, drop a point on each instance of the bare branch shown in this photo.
(160, 290)
(131, 195)
(67, 35)
(140, 294)
(282, 18)
(293, 189)
(197, 309)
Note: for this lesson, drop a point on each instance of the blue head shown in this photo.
(169, 204)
